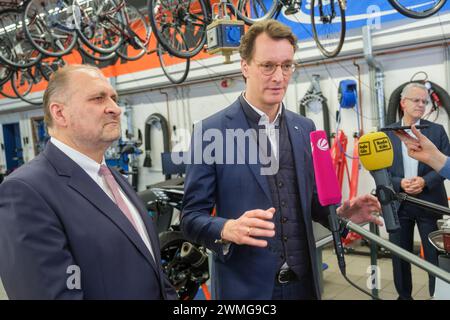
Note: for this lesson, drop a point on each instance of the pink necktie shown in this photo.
(114, 187)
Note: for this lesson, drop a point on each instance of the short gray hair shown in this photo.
(58, 85)
(410, 86)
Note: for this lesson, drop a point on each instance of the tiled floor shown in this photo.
(337, 288)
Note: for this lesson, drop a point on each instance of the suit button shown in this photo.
(280, 184)
(284, 220)
(283, 203)
(285, 239)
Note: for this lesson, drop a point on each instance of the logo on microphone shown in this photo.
(382, 144)
(364, 148)
(322, 144)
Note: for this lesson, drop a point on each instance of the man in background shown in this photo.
(418, 180)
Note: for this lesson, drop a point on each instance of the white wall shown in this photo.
(192, 102)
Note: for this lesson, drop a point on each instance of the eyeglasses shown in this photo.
(269, 68)
(417, 100)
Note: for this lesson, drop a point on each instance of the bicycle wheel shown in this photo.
(15, 49)
(50, 66)
(251, 11)
(7, 94)
(417, 9)
(178, 22)
(48, 26)
(22, 82)
(137, 37)
(5, 74)
(175, 69)
(98, 24)
(86, 51)
(328, 26)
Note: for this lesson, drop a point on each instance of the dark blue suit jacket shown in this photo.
(53, 216)
(434, 190)
(245, 272)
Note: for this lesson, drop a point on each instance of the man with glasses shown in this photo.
(261, 236)
(419, 180)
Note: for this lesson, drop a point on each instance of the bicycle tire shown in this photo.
(39, 30)
(417, 14)
(92, 37)
(394, 111)
(170, 74)
(258, 10)
(321, 44)
(5, 75)
(23, 95)
(6, 95)
(135, 44)
(92, 54)
(15, 49)
(172, 31)
(11, 95)
(48, 68)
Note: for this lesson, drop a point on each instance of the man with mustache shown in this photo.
(71, 228)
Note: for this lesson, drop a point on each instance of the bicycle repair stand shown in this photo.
(223, 34)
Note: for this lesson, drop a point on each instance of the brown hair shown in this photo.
(58, 86)
(273, 28)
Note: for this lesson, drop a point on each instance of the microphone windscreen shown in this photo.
(375, 151)
(326, 180)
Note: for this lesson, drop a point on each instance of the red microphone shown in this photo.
(327, 186)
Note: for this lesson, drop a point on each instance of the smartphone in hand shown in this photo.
(420, 126)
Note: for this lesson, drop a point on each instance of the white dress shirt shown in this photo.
(92, 168)
(410, 165)
(270, 127)
(270, 130)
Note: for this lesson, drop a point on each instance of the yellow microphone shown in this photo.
(376, 154)
(375, 151)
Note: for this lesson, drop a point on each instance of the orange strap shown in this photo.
(206, 291)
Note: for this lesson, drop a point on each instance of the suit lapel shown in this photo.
(300, 150)
(236, 120)
(398, 153)
(137, 202)
(82, 183)
(151, 231)
(426, 132)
